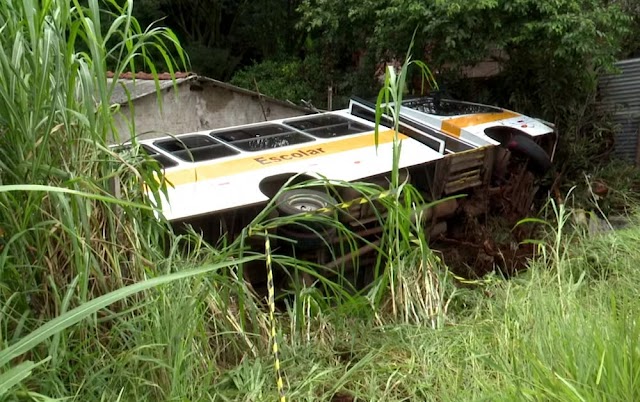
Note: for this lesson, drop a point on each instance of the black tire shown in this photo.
(521, 144)
(539, 161)
(308, 234)
(295, 202)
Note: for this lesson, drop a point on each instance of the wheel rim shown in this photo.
(304, 203)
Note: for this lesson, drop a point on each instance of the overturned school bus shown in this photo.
(221, 179)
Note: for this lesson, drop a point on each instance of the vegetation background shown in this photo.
(101, 301)
(550, 52)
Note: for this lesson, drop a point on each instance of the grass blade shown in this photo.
(79, 313)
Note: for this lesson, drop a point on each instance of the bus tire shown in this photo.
(519, 143)
(308, 233)
(295, 202)
(539, 161)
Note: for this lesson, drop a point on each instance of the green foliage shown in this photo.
(290, 80)
(622, 182)
(550, 52)
(530, 338)
(65, 237)
(562, 331)
(308, 78)
(416, 279)
(632, 44)
(222, 35)
(88, 291)
(55, 118)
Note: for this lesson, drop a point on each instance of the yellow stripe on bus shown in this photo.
(309, 150)
(454, 126)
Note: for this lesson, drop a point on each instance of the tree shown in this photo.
(222, 35)
(550, 48)
(551, 51)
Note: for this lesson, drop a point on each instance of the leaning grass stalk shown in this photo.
(242, 331)
(272, 320)
(91, 307)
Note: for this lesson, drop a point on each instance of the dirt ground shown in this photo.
(485, 237)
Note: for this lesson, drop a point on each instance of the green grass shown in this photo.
(99, 301)
(531, 338)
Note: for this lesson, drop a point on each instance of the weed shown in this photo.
(100, 301)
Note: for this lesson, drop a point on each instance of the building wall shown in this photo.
(199, 104)
(620, 93)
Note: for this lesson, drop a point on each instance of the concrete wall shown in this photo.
(200, 104)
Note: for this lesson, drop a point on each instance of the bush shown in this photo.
(288, 79)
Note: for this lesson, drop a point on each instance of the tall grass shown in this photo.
(575, 338)
(69, 245)
(72, 250)
(55, 118)
(565, 330)
(414, 275)
(97, 301)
